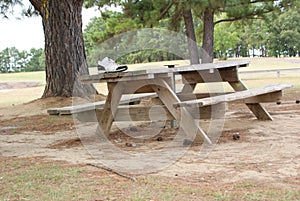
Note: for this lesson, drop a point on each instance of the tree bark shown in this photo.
(64, 48)
(191, 37)
(208, 36)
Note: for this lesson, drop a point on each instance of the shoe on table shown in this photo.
(109, 65)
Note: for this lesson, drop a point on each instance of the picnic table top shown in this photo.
(151, 73)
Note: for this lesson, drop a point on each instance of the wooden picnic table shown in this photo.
(180, 105)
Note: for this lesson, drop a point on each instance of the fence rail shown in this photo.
(277, 71)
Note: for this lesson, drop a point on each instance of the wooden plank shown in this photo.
(53, 111)
(153, 113)
(188, 88)
(193, 96)
(136, 87)
(200, 67)
(110, 107)
(264, 98)
(208, 66)
(126, 76)
(79, 108)
(114, 77)
(229, 74)
(256, 108)
(142, 113)
(155, 73)
(91, 106)
(141, 86)
(233, 96)
(193, 77)
(147, 113)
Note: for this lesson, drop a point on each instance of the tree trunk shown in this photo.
(64, 48)
(237, 51)
(191, 37)
(208, 36)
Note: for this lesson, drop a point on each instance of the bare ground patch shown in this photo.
(17, 85)
(263, 164)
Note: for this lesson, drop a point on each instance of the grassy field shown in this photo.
(35, 179)
(23, 77)
(18, 96)
(272, 63)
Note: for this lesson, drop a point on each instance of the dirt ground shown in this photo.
(266, 154)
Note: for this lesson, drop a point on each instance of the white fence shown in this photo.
(277, 71)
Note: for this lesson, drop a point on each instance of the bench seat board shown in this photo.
(239, 95)
(91, 106)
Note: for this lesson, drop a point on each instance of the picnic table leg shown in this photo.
(188, 88)
(110, 107)
(188, 123)
(257, 109)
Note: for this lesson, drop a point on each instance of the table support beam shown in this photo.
(110, 108)
(188, 122)
(257, 109)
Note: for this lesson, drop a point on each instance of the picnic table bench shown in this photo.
(268, 93)
(185, 106)
(85, 107)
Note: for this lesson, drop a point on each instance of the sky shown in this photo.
(27, 33)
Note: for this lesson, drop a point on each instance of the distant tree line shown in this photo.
(240, 30)
(13, 60)
(271, 36)
(237, 32)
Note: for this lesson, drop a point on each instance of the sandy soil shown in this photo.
(268, 152)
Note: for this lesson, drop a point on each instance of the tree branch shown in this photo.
(249, 16)
(37, 4)
(249, 3)
(113, 171)
(163, 13)
(6, 5)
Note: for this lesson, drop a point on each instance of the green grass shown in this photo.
(35, 179)
(25, 180)
(23, 77)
